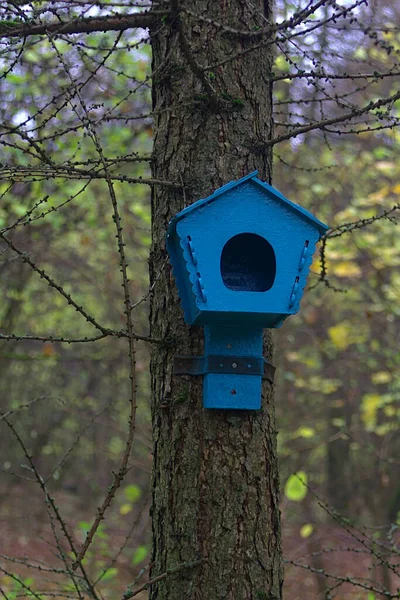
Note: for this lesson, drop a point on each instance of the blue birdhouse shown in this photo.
(240, 259)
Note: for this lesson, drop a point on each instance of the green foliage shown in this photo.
(139, 555)
(76, 426)
(338, 360)
(17, 587)
(109, 574)
(296, 486)
(306, 530)
(132, 493)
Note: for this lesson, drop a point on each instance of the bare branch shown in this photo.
(119, 476)
(361, 223)
(141, 20)
(356, 112)
(26, 258)
(189, 565)
(36, 173)
(53, 339)
(23, 406)
(51, 505)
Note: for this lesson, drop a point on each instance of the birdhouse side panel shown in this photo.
(184, 278)
(303, 271)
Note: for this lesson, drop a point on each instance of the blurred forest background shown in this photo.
(338, 378)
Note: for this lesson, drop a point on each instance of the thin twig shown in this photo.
(50, 504)
(26, 259)
(27, 405)
(189, 565)
(118, 476)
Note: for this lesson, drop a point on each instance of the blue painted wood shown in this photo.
(227, 391)
(219, 282)
(240, 259)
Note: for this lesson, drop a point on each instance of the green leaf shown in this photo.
(109, 574)
(338, 422)
(296, 486)
(139, 555)
(84, 525)
(305, 432)
(132, 493)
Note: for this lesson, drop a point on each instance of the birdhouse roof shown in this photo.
(268, 189)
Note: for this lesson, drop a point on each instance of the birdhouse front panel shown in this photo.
(247, 256)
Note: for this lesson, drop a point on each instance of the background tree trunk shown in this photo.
(215, 478)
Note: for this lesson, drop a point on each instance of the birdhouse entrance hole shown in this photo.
(248, 263)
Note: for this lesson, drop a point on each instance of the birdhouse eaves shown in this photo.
(268, 189)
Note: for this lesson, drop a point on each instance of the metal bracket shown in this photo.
(234, 365)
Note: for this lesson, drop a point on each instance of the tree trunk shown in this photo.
(215, 475)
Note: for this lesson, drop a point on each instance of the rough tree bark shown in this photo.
(215, 478)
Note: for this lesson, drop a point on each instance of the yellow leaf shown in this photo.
(316, 263)
(125, 509)
(369, 408)
(306, 530)
(281, 63)
(340, 335)
(381, 377)
(345, 215)
(346, 269)
(305, 432)
(324, 385)
(378, 197)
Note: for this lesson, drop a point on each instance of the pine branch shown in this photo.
(43, 275)
(141, 20)
(188, 565)
(356, 112)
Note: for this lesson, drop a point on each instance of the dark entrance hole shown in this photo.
(248, 263)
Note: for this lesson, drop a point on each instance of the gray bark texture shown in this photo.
(215, 474)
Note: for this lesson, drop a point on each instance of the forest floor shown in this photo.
(26, 537)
